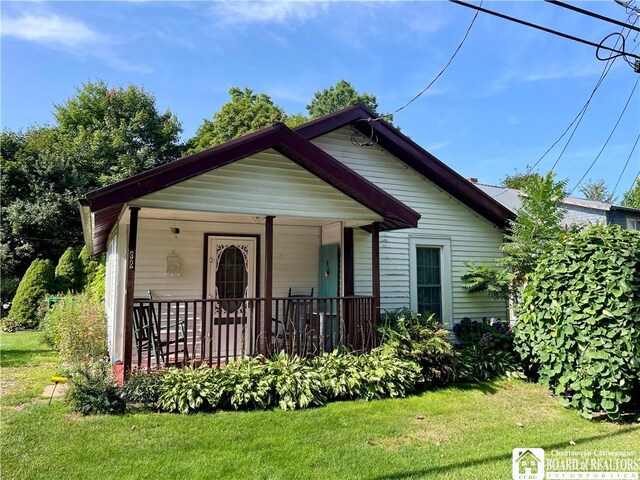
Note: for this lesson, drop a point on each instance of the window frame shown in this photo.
(446, 292)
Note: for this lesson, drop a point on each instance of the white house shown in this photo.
(287, 239)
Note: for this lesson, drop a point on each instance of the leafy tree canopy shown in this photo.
(520, 179)
(245, 112)
(339, 96)
(597, 191)
(631, 198)
(119, 128)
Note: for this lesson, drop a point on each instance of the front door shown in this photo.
(231, 278)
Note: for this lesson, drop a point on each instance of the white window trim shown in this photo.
(444, 244)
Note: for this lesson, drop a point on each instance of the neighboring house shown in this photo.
(578, 211)
(287, 239)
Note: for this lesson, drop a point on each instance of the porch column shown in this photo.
(130, 286)
(347, 248)
(268, 285)
(375, 271)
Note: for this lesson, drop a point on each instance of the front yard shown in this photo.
(461, 432)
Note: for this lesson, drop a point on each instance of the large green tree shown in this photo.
(519, 180)
(119, 131)
(102, 134)
(631, 198)
(597, 190)
(245, 112)
(339, 96)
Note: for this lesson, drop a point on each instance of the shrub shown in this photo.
(489, 331)
(387, 375)
(36, 283)
(190, 389)
(420, 339)
(77, 327)
(94, 390)
(68, 273)
(96, 288)
(579, 321)
(480, 362)
(296, 384)
(141, 387)
(341, 375)
(246, 384)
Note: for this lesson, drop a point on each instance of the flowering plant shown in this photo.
(489, 332)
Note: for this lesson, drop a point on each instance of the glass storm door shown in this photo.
(231, 277)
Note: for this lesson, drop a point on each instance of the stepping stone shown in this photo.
(61, 390)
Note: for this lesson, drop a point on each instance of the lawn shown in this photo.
(462, 432)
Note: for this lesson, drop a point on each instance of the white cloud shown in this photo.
(266, 11)
(50, 28)
(68, 35)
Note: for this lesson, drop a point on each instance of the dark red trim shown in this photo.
(130, 288)
(409, 152)
(268, 283)
(347, 248)
(105, 201)
(375, 271)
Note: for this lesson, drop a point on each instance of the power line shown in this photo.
(464, 38)
(608, 138)
(545, 29)
(624, 168)
(593, 14)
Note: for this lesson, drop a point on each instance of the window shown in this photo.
(231, 277)
(428, 280)
(633, 223)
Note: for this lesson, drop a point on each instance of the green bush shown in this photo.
(37, 282)
(488, 331)
(478, 362)
(93, 273)
(68, 273)
(190, 389)
(296, 384)
(94, 390)
(142, 387)
(579, 321)
(76, 326)
(420, 339)
(96, 288)
(245, 384)
(289, 382)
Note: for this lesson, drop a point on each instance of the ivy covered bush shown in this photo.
(579, 320)
(37, 282)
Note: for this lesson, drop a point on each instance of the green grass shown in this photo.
(467, 432)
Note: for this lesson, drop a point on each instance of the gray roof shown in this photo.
(510, 198)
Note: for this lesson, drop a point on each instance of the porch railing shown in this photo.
(216, 331)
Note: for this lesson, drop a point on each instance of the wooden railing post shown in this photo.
(268, 285)
(375, 272)
(130, 286)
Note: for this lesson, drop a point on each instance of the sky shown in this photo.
(505, 99)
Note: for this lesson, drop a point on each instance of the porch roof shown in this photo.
(101, 208)
(412, 154)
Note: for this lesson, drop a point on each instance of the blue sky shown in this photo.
(507, 96)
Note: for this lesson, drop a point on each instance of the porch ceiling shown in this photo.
(104, 205)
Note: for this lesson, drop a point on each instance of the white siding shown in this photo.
(473, 238)
(263, 184)
(295, 256)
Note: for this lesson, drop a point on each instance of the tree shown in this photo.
(245, 112)
(102, 134)
(37, 282)
(597, 191)
(119, 130)
(631, 198)
(518, 180)
(339, 96)
(68, 273)
(536, 226)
